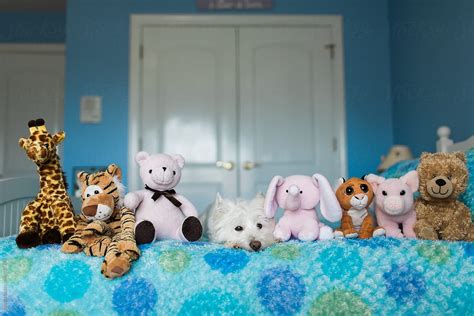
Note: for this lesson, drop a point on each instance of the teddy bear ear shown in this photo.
(460, 155)
(424, 155)
(179, 160)
(141, 156)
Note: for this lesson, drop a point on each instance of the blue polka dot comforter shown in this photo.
(381, 276)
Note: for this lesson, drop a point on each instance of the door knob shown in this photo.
(227, 165)
(249, 165)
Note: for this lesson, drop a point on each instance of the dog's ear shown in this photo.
(259, 199)
(218, 200)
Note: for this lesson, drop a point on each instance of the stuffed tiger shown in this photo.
(355, 196)
(104, 227)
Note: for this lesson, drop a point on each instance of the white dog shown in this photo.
(239, 223)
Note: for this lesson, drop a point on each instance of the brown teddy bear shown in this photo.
(439, 215)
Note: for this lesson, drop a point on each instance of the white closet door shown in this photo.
(31, 87)
(288, 121)
(189, 105)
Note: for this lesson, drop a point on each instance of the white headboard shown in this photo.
(445, 144)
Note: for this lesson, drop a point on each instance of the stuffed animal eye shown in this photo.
(88, 195)
(239, 228)
(402, 192)
(46, 145)
(349, 190)
(364, 188)
(259, 226)
(174, 173)
(96, 192)
(384, 193)
(286, 191)
(149, 171)
(301, 192)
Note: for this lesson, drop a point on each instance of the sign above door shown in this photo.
(234, 4)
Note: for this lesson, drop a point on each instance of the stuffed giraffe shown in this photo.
(48, 219)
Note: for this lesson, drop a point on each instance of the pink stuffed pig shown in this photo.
(160, 212)
(298, 196)
(394, 203)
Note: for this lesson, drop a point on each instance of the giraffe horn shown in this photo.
(40, 124)
(32, 126)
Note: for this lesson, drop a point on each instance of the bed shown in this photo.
(381, 276)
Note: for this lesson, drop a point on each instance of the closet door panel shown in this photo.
(286, 101)
(189, 105)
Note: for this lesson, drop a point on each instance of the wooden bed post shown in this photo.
(444, 142)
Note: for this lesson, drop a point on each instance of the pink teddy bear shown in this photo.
(298, 196)
(394, 203)
(160, 212)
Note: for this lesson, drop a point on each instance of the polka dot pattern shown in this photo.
(16, 268)
(404, 283)
(339, 302)
(174, 260)
(281, 291)
(227, 260)
(333, 258)
(379, 276)
(67, 281)
(285, 251)
(64, 312)
(11, 305)
(435, 253)
(134, 297)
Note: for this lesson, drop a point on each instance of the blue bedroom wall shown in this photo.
(98, 64)
(432, 70)
(32, 27)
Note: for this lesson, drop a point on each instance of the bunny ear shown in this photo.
(270, 205)
(374, 181)
(411, 179)
(330, 208)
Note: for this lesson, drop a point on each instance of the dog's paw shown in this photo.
(281, 234)
(230, 244)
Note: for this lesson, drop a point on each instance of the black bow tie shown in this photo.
(167, 194)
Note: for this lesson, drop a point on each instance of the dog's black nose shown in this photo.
(440, 182)
(255, 245)
(164, 168)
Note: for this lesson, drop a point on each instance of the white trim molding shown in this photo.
(32, 48)
(139, 21)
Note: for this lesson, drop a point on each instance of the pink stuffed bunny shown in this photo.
(160, 212)
(298, 196)
(394, 203)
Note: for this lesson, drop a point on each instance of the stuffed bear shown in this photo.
(355, 195)
(160, 212)
(439, 215)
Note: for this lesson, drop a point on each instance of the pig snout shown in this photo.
(394, 205)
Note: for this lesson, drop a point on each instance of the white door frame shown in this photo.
(139, 21)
